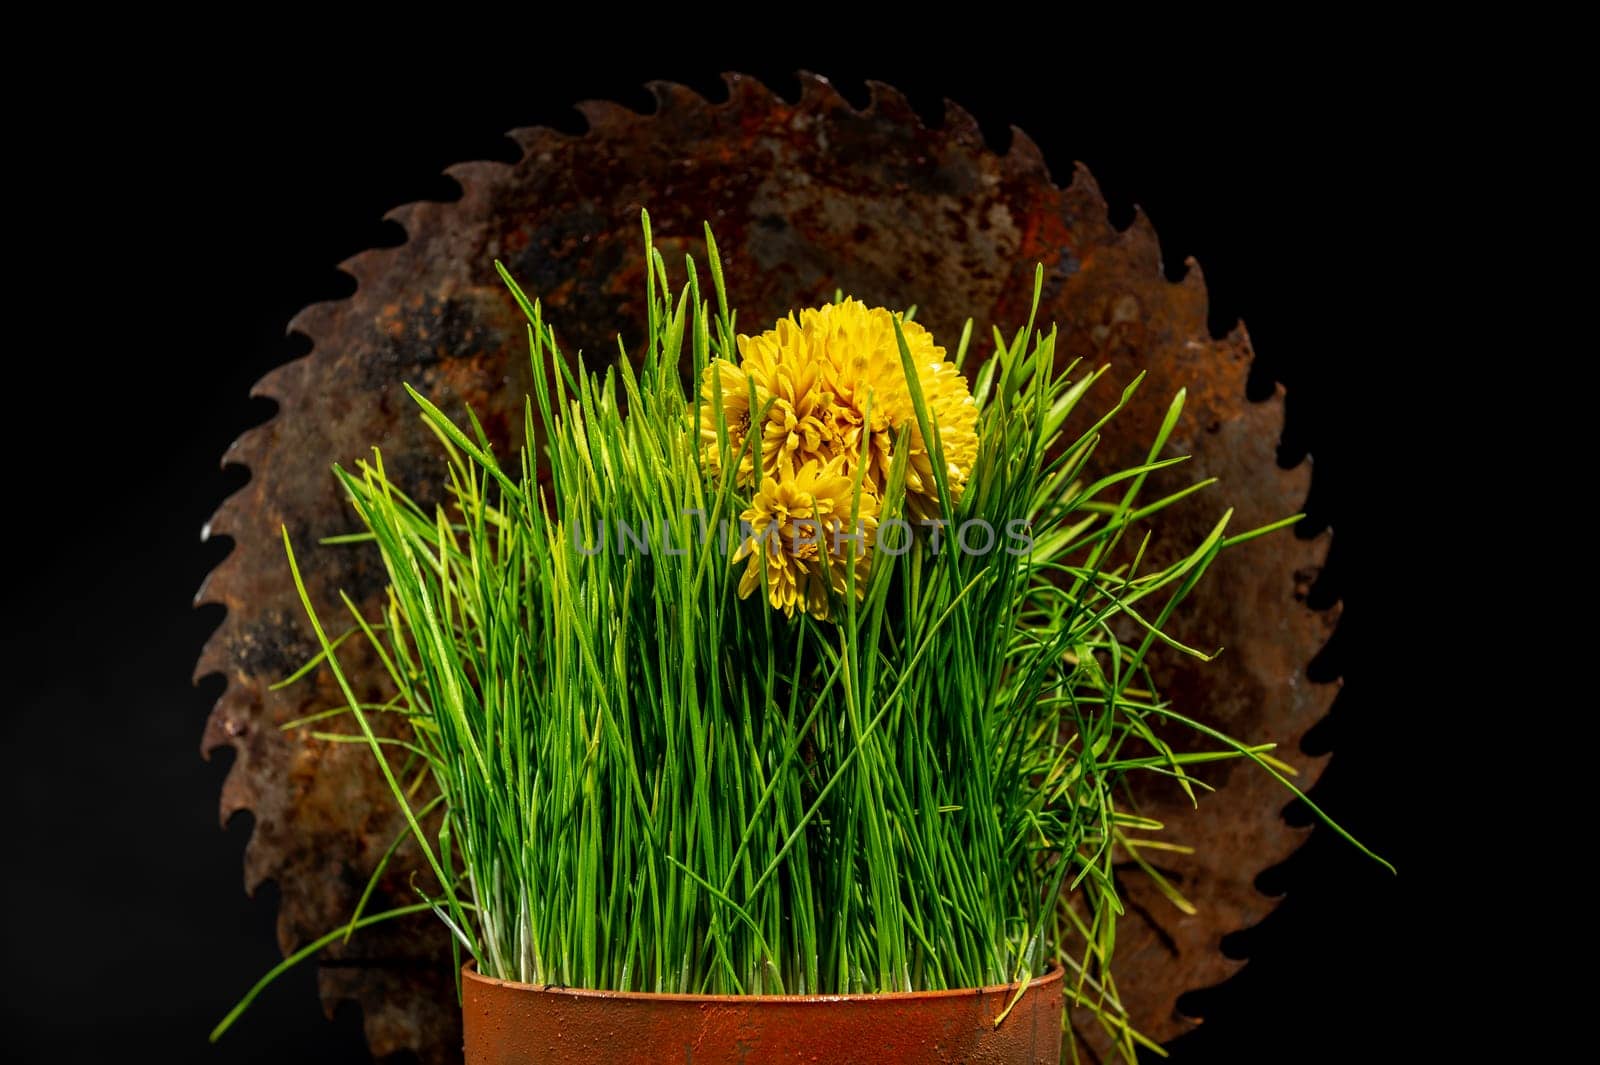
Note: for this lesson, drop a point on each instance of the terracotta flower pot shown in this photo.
(508, 1023)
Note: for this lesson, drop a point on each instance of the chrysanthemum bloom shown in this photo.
(734, 396)
(787, 381)
(837, 388)
(802, 527)
(869, 383)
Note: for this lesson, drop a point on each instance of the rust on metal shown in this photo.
(508, 1023)
(805, 197)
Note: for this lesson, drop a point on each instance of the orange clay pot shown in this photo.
(508, 1023)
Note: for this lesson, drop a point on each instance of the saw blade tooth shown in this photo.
(364, 266)
(1025, 155)
(1084, 202)
(477, 176)
(248, 448)
(1193, 277)
(1238, 338)
(259, 855)
(673, 98)
(225, 724)
(608, 116)
(891, 103)
(404, 216)
(317, 319)
(221, 523)
(238, 795)
(534, 140)
(214, 654)
(277, 384)
(959, 123)
(818, 92)
(1140, 237)
(747, 92)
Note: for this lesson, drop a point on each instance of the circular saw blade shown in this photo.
(805, 197)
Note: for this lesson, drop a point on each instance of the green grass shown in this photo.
(643, 782)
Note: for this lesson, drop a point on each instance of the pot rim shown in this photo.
(1051, 976)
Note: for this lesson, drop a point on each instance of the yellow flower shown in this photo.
(811, 402)
(788, 383)
(832, 385)
(954, 416)
(783, 367)
(801, 527)
(868, 379)
(735, 388)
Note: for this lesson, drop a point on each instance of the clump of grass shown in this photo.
(643, 782)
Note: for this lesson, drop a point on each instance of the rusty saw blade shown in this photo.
(805, 197)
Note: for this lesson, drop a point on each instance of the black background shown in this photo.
(212, 195)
